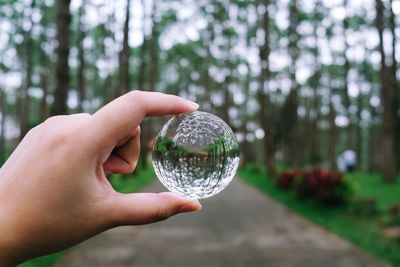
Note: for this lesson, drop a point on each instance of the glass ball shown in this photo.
(195, 155)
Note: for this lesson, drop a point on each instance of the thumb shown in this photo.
(144, 208)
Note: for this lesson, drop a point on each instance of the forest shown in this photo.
(298, 81)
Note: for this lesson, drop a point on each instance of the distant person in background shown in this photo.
(347, 161)
(53, 188)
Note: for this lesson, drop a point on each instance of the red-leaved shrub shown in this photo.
(326, 187)
(286, 179)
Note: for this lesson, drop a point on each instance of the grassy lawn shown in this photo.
(127, 184)
(124, 184)
(371, 185)
(365, 232)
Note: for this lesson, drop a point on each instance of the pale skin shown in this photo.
(53, 189)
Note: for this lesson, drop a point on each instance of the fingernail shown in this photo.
(192, 104)
(192, 206)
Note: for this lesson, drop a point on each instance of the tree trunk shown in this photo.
(263, 98)
(346, 96)
(63, 19)
(315, 136)
(388, 137)
(111, 84)
(315, 155)
(246, 147)
(3, 106)
(124, 56)
(141, 84)
(24, 96)
(44, 112)
(226, 99)
(45, 66)
(394, 50)
(292, 101)
(153, 66)
(332, 136)
(152, 80)
(81, 57)
(207, 80)
(395, 84)
(143, 54)
(359, 135)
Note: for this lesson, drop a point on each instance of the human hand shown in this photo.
(53, 188)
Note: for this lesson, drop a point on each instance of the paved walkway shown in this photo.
(239, 227)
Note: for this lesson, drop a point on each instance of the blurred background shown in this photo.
(303, 84)
(301, 81)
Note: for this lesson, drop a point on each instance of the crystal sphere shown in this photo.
(195, 155)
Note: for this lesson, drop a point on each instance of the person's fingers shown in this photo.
(125, 113)
(124, 157)
(143, 208)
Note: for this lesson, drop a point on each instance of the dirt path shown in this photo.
(239, 227)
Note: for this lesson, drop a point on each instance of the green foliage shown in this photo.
(363, 231)
(163, 144)
(356, 22)
(132, 183)
(372, 186)
(393, 215)
(254, 168)
(365, 207)
(46, 261)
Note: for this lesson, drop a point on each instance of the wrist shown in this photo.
(7, 246)
(8, 236)
(5, 260)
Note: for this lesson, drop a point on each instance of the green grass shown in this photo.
(45, 261)
(371, 185)
(132, 183)
(363, 232)
(124, 184)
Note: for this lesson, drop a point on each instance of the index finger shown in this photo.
(118, 118)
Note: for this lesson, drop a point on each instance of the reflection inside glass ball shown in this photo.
(195, 155)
